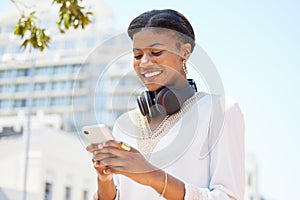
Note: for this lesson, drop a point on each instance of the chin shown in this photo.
(153, 87)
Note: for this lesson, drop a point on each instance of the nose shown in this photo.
(146, 61)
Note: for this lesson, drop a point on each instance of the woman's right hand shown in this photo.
(104, 174)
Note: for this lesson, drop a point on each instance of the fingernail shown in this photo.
(100, 146)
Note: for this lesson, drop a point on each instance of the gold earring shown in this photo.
(184, 67)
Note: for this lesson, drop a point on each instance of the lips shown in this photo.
(153, 78)
(151, 74)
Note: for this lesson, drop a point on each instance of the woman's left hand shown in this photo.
(126, 161)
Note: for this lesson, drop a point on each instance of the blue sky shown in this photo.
(255, 46)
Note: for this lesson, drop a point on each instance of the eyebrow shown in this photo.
(151, 45)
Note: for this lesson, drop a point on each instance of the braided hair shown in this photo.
(167, 19)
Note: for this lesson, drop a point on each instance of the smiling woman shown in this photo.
(158, 59)
(180, 143)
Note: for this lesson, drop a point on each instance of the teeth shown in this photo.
(147, 75)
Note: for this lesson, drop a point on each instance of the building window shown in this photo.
(58, 85)
(68, 191)
(8, 74)
(63, 69)
(39, 86)
(79, 84)
(44, 71)
(48, 86)
(22, 88)
(43, 86)
(61, 101)
(8, 131)
(85, 195)
(249, 179)
(22, 72)
(6, 104)
(76, 68)
(48, 191)
(7, 89)
(20, 103)
(42, 102)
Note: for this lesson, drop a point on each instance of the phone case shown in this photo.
(97, 133)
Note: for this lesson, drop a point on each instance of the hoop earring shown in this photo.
(184, 67)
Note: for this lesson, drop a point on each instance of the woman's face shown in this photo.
(158, 59)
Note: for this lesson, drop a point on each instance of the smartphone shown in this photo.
(98, 133)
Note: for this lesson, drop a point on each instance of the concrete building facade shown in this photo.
(59, 167)
(74, 76)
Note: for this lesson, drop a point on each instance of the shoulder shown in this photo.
(223, 102)
(231, 107)
(224, 110)
(231, 113)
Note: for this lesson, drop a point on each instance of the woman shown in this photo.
(167, 151)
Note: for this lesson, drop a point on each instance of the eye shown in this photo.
(157, 53)
(138, 56)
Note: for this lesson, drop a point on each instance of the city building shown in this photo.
(85, 76)
(252, 189)
(59, 167)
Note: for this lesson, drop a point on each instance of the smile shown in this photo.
(151, 74)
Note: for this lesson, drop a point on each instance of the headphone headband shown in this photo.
(165, 101)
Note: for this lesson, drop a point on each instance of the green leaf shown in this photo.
(72, 16)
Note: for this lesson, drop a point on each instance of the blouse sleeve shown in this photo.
(227, 168)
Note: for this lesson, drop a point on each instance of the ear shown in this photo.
(186, 50)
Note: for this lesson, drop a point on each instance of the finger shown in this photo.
(112, 162)
(117, 144)
(112, 143)
(94, 147)
(99, 166)
(118, 152)
(104, 168)
(101, 156)
(121, 170)
(120, 145)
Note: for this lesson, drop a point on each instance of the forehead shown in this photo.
(151, 38)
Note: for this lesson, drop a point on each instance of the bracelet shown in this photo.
(165, 185)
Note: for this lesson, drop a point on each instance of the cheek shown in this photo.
(136, 64)
(136, 67)
(173, 63)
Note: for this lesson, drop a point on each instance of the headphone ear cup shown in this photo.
(141, 103)
(145, 103)
(167, 101)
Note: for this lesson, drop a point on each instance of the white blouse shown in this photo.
(202, 145)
